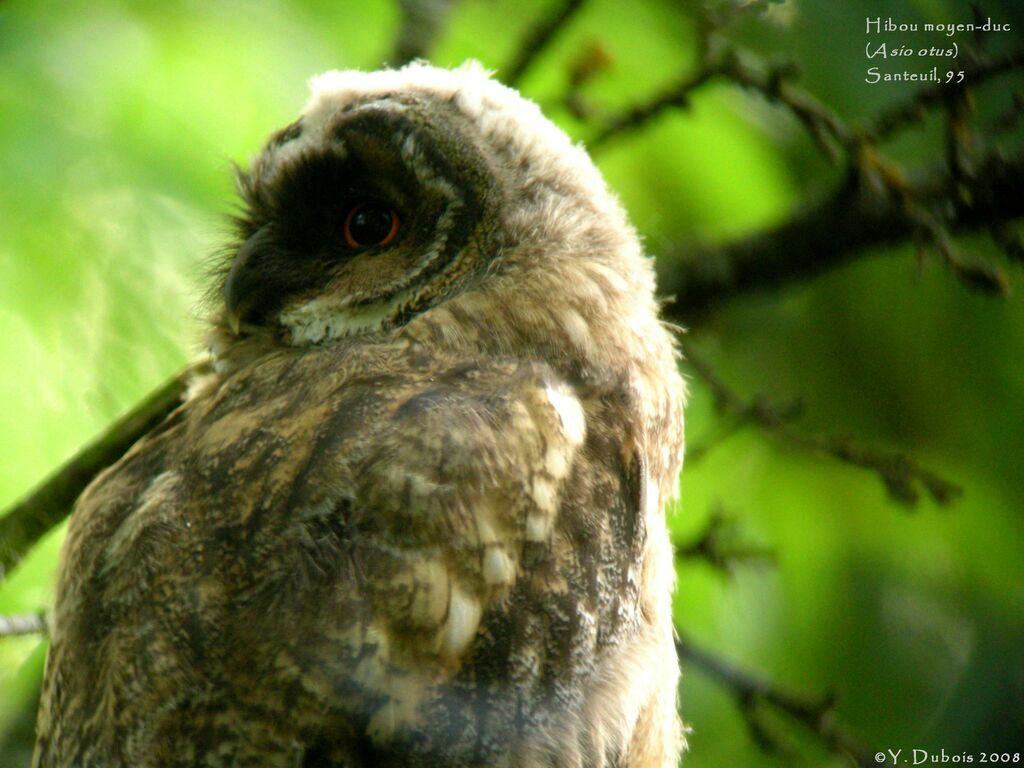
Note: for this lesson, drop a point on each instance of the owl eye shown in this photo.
(370, 223)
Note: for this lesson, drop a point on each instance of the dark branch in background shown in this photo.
(638, 116)
(537, 38)
(875, 204)
(834, 232)
(719, 545)
(422, 24)
(27, 521)
(730, 424)
(893, 120)
(718, 58)
(824, 126)
(752, 692)
(28, 624)
(592, 59)
(774, 82)
(901, 475)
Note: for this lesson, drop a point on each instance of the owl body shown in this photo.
(415, 516)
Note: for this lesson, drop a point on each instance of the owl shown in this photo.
(414, 515)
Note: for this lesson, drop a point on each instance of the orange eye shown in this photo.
(369, 224)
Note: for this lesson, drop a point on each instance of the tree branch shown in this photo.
(874, 205)
(818, 717)
(28, 624)
(898, 117)
(900, 474)
(537, 38)
(829, 235)
(720, 546)
(27, 521)
(825, 127)
(422, 24)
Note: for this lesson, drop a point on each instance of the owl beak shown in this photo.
(243, 289)
(234, 322)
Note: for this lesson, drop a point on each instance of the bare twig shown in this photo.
(719, 546)
(773, 82)
(825, 127)
(901, 475)
(893, 120)
(930, 220)
(638, 116)
(591, 60)
(732, 419)
(27, 521)
(713, 19)
(960, 149)
(28, 624)
(724, 428)
(817, 716)
(537, 39)
(978, 275)
(422, 24)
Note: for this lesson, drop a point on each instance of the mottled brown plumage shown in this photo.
(415, 516)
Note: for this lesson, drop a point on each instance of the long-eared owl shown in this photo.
(414, 516)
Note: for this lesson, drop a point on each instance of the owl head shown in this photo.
(397, 190)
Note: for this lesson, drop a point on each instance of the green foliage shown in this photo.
(118, 124)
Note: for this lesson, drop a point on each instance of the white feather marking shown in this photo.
(498, 568)
(463, 620)
(556, 461)
(320, 320)
(544, 492)
(570, 411)
(576, 329)
(538, 527)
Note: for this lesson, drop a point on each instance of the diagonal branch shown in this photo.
(422, 23)
(537, 38)
(894, 119)
(27, 624)
(900, 474)
(831, 234)
(45, 507)
(640, 115)
(818, 717)
(825, 127)
(720, 546)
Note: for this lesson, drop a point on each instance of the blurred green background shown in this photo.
(119, 122)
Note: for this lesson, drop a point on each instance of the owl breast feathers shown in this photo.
(415, 516)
